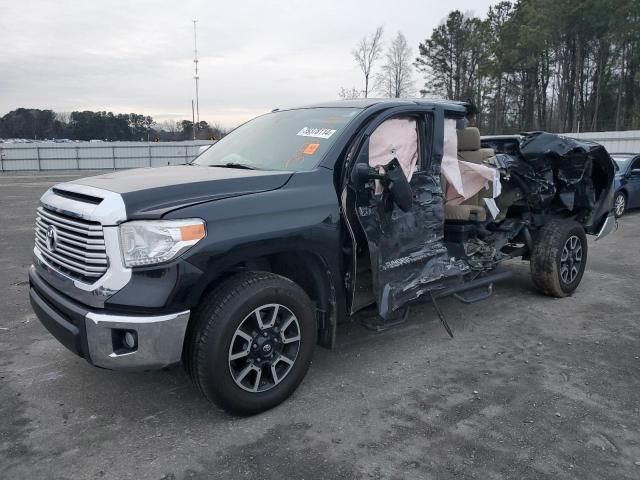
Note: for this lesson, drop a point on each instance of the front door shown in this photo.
(406, 249)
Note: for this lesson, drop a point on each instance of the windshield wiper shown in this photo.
(233, 165)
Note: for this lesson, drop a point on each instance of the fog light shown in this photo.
(129, 340)
(124, 341)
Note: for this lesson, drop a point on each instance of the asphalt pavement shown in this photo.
(530, 387)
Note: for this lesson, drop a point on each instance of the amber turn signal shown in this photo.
(192, 232)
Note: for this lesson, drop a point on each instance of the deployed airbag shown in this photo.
(395, 138)
(464, 179)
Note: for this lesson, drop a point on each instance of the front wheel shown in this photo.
(619, 204)
(559, 258)
(252, 342)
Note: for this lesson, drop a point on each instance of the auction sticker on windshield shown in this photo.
(316, 132)
(311, 148)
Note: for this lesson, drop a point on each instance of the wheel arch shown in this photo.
(306, 268)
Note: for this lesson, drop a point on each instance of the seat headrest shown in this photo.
(468, 139)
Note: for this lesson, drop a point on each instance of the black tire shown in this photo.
(619, 204)
(212, 336)
(548, 270)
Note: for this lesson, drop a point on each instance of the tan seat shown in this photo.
(472, 209)
(469, 146)
(464, 212)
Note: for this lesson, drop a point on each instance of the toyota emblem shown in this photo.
(52, 238)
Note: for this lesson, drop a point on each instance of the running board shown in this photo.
(474, 298)
(488, 280)
(457, 293)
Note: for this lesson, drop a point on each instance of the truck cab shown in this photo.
(240, 262)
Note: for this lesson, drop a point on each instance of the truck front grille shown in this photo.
(71, 245)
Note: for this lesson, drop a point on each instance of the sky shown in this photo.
(137, 55)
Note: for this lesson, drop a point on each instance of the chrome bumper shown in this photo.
(158, 340)
(60, 300)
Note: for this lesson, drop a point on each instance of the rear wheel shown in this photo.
(252, 342)
(559, 258)
(619, 204)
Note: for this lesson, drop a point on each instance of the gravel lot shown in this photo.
(530, 387)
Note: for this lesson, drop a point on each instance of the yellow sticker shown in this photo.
(311, 148)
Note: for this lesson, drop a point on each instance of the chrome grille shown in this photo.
(71, 245)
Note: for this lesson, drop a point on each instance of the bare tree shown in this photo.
(366, 53)
(169, 126)
(63, 117)
(396, 78)
(349, 93)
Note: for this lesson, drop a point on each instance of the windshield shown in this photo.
(288, 140)
(622, 160)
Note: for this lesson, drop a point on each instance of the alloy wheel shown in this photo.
(264, 348)
(571, 259)
(619, 204)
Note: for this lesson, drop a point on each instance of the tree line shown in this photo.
(561, 66)
(39, 124)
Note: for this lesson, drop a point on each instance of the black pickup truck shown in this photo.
(240, 262)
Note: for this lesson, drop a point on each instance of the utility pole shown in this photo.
(196, 77)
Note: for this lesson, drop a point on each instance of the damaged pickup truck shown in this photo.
(239, 263)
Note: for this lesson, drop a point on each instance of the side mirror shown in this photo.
(398, 185)
(392, 178)
(362, 173)
(635, 171)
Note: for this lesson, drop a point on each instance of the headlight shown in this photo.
(147, 242)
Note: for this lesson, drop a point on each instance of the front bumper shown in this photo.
(99, 336)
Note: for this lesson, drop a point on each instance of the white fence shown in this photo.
(614, 142)
(117, 155)
(95, 156)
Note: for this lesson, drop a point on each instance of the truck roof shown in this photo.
(363, 103)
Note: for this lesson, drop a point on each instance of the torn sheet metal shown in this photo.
(406, 249)
(560, 173)
(480, 256)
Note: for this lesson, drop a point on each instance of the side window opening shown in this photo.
(396, 138)
(425, 143)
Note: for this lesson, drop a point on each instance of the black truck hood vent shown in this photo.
(80, 197)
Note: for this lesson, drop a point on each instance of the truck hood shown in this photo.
(153, 192)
